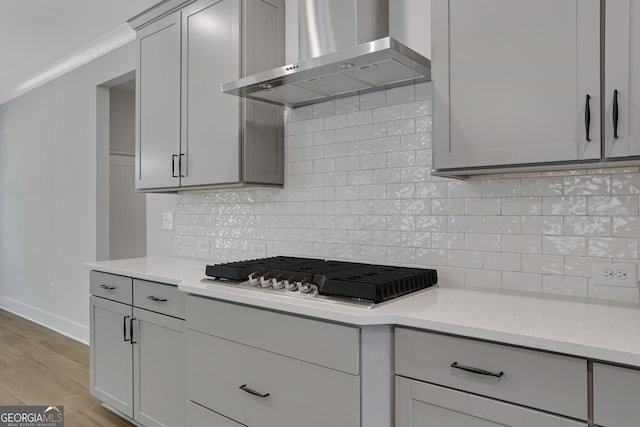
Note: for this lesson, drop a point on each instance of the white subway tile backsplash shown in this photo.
(525, 282)
(482, 206)
(564, 245)
(587, 225)
(587, 185)
(613, 205)
(521, 206)
(524, 244)
(564, 285)
(541, 187)
(613, 247)
(564, 206)
(358, 186)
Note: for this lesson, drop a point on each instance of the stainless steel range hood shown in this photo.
(324, 26)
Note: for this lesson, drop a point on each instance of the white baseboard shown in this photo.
(52, 321)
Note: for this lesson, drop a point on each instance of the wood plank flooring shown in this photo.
(41, 367)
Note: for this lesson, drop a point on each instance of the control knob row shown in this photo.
(290, 284)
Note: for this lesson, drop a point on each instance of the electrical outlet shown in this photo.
(204, 245)
(258, 250)
(619, 274)
(52, 287)
(167, 220)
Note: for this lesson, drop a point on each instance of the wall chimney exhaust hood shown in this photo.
(352, 52)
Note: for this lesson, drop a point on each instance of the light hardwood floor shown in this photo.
(41, 367)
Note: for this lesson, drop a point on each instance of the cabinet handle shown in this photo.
(476, 370)
(180, 166)
(615, 114)
(255, 393)
(156, 299)
(107, 288)
(587, 117)
(131, 330)
(124, 329)
(173, 165)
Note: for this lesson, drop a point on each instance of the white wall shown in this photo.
(160, 242)
(122, 129)
(48, 195)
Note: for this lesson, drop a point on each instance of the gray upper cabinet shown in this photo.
(190, 135)
(158, 104)
(622, 62)
(511, 80)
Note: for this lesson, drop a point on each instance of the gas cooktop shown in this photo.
(359, 281)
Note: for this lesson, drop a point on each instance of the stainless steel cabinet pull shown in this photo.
(124, 329)
(173, 165)
(131, 330)
(476, 370)
(255, 393)
(587, 117)
(615, 114)
(156, 299)
(108, 288)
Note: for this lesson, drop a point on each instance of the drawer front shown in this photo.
(111, 286)
(549, 382)
(159, 297)
(299, 393)
(615, 396)
(199, 416)
(314, 341)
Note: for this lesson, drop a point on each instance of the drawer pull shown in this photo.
(255, 393)
(107, 288)
(156, 299)
(476, 370)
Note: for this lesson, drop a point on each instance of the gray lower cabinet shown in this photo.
(189, 134)
(444, 380)
(265, 375)
(137, 354)
(615, 395)
(420, 404)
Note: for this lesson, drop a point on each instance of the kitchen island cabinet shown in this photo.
(189, 134)
(137, 349)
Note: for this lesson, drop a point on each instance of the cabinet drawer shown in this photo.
(199, 416)
(546, 381)
(326, 344)
(615, 395)
(159, 297)
(299, 393)
(111, 286)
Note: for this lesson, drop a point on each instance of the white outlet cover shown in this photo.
(258, 250)
(624, 275)
(204, 245)
(167, 220)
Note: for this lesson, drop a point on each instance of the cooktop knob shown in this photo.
(277, 282)
(254, 278)
(290, 284)
(265, 280)
(305, 287)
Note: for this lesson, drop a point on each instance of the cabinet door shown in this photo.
(622, 74)
(421, 404)
(263, 157)
(615, 396)
(158, 104)
(511, 79)
(211, 131)
(159, 370)
(111, 354)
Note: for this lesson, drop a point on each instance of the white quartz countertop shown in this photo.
(586, 329)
